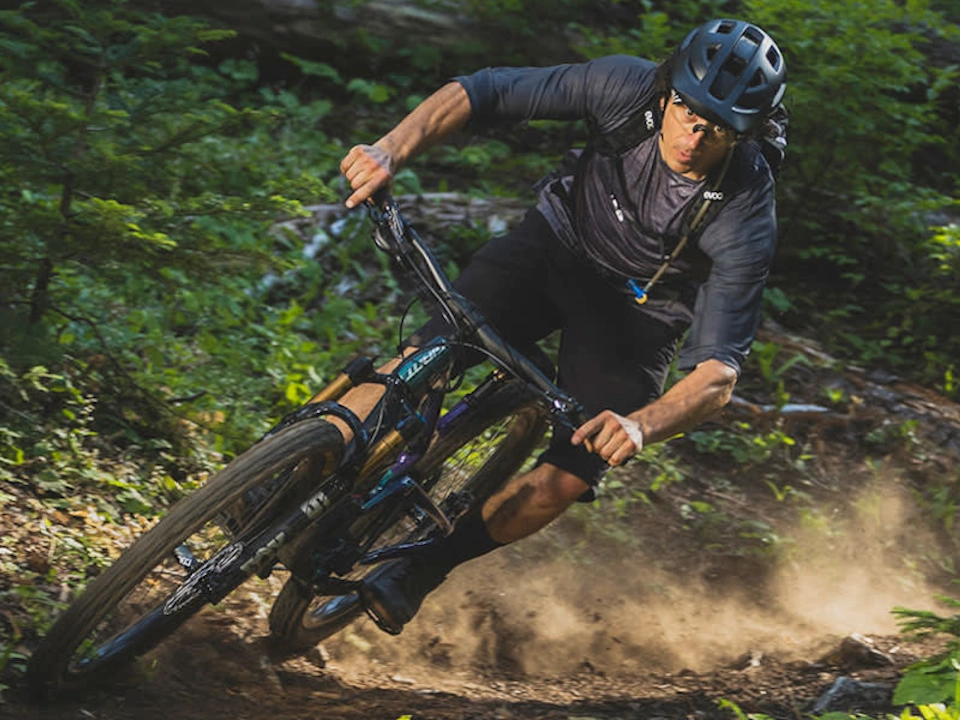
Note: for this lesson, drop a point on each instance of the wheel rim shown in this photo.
(340, 609)
(163, 599)
(203, 568)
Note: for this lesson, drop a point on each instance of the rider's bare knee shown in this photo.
(557, 488)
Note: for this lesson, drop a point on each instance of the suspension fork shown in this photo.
(356, 373)
(396, 481)
(415, 377)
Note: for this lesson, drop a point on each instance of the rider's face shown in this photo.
(689, 144)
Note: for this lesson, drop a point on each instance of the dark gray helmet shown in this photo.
(732, 72)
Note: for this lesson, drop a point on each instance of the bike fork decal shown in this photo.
(311, 508)
(314, 505)
(193, 585)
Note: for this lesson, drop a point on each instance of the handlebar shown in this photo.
(395, 236)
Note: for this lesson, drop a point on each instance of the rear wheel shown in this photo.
(460, 470)
(184, 562)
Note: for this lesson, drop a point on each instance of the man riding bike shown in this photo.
(665, 223)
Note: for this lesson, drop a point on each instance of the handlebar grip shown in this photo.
(380, 198)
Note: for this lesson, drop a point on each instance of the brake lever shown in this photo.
(389, 231)
(570, 415)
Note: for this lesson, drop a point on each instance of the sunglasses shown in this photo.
(713, 133)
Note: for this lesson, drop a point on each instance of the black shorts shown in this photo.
(613, 355)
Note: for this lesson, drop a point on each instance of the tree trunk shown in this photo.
(298, 26)
(40, 297)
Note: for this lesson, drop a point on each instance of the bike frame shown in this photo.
(322, 527)
(405, 419)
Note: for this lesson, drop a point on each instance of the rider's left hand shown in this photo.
(613, 437)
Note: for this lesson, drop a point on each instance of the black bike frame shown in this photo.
(415, 390)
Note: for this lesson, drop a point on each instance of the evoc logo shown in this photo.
(712, 195)
(648, 119)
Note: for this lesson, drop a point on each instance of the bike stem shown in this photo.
(395, 236)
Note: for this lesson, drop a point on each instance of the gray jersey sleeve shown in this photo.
(741, 242)
(605, 91)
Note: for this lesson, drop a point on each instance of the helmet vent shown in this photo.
(753, 35)
(730, 71)
(725, 27)
(726, 80)
(773, 57)
(735, 65)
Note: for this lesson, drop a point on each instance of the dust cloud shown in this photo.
(840, 571)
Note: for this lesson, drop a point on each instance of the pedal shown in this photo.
(380, 623)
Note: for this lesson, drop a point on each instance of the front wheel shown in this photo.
(460, 470)
(184, 562)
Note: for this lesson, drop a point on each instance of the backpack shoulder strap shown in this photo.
(644, 123)
(700, 212)
(720, 188)
(640, 126)
(708, 203)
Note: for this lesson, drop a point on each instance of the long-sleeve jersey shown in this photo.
(625, 213)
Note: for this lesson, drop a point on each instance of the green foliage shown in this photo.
(154, 317)
(892, 435)
(741, 444)
(871, 163)
(942, 501)
(936, 680)
(136, 212)
(725, 704)
(763, 357)
(932, 684)
(62, 457)
(652, 33)
(862, 77)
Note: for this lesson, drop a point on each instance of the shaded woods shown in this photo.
(173, 279)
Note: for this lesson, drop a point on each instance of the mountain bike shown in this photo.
(326, 510)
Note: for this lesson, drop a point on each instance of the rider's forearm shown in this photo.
(441, 114)
(694, 398)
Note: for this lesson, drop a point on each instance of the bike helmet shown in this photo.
(730, 71)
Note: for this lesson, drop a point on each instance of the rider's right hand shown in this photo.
(367, 168)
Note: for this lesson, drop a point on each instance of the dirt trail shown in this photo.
(732, 585)
(521, 635)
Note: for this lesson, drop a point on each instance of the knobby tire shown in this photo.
(90, 637)
(298, 621)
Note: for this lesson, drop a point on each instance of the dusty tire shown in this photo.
(110, 622)
(508, 427)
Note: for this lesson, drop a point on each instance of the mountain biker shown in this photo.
(598, 258)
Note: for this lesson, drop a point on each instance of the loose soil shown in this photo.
(736, 584)
(497, 642)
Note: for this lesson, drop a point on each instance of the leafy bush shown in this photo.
(137, 205)
(869, 168)
(936, 680)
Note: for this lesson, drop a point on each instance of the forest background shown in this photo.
(157, 313)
